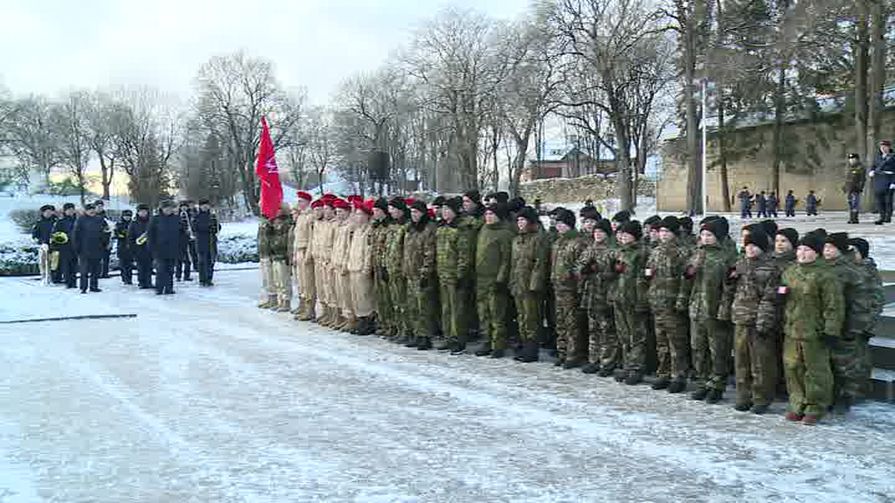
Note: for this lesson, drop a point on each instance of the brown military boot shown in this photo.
(308, 313)
(284, 305)
(324, 319)
(350, 324)
(270, 302)
(340, 321)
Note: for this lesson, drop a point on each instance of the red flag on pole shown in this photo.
(266, 168)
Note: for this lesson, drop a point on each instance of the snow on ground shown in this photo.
(203, 397)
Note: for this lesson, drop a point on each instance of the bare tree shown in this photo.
(73, 130)
(32, 138)
(320, 142)
(102, 113)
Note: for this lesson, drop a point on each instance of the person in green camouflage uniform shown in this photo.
(394, 266)
(385, 319)
(752, 291)
(569, 246)
(664, 270)
(279, 238)
(528, 279)
(268, 287)
(493, 256)
(469, 225)
(813, 321)
(870, 299)
(595, 269)
(785, 242)
(453, 300)
(710, 336)
(630, 302)
(858, 320)
(419, 269)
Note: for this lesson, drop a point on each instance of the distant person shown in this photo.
(100, 206)
(165, 231)
(854, 186)
(883, 174)
(91, 241)
(811, 203)
(138, 241)
(187, 243)
(773, 204)
(790, 204)
(122, 248)
(745, 203)
(62, 238)
(205, 228)
(41, 233)
(762, 202)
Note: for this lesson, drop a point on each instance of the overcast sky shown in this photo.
(48, 46)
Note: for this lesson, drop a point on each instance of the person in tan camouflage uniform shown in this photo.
(322, 249)
(303, 261)
(339, 272)
(360, 268)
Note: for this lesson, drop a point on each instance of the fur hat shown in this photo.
(652, 221)
(791, 234)
(605, 226)
(590, 213)
(565, 216)
(474, 195)
(99, 202)
(861, 245)
(671, 223)
(381, 203)
(813, 241)
(515, 204)
(398, 203)
(502, 197)
(686, 224)
(419, 206)
(769, 226)
(127, 213)
(622, 216)
(89, 206)
(438, 201)
(839, 240)
(759, 238)
(499, 209)
(717, 226)
(529, 214)
(454, 203)
(631, 227)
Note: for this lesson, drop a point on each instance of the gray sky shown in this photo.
(48, 46)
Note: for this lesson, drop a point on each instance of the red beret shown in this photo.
(341, 204)
(318, 203)
(409, 201)
(353, 199)
(365, 206)
(304, 195)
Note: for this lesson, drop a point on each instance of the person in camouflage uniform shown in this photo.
(571, 343)
(268, 288)
(855, 178)
(858, 320)
(630, 301)
(710, 335)
(651, 231)
(321, 250)
(785, 242)
(870, 299)
(339, 275)
(813, 321)
(279, 237)
(469, 225)
(687, 238)
(528, 279)
(752, 291)
(594, 268)
(453, 300)
(419, 269)
(492, 267)
(664, 270)
(379, 230)
(394, 260)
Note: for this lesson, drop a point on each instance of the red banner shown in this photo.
(266, 169)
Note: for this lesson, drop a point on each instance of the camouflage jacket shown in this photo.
(379, 243)
(705, 274)
(751, 293)
(815, 305)
(493, 255)
(530, 262)
(869, 299)
(857, 309)
(630, 287)
(855, 178)
(564, 255)
(394, 244)
(279, 238)
(447, 244)
(469, 227)
(664, 271)
(264, 238)
(595, 268)
(419, 251)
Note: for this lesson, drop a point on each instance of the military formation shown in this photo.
(785, 314)
(75, 248)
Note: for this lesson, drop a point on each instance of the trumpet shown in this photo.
(142, 238)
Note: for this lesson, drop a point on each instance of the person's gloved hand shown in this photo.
(648, 273)
(690, 271)
(620, 267)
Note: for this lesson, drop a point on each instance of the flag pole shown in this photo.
(705, 108)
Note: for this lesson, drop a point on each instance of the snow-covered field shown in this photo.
(203, 397)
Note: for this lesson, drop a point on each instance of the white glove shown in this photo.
(892, 186)
(871, 174)
(46, 247)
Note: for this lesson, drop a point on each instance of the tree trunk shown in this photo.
(722, 152)
(862, 43)
(878, 20)
(106, 171)
(694, 157)
(779, 112)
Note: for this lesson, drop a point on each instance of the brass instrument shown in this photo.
(142, 238)
(185, 214)
(59, 238)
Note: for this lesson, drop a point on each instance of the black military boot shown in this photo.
(458, 348)
(633, 378)
(529, 352)
(590, 368)
(498, 353)
(661, 383)
(559, 362)
(606, 372)
(572, 364)
(424, 343)
(700, 393)
(843, 405)
(445, 345)
(714, 395)
(483, 351)
(677, 386)
(412, 342)
(759, 408)
(742, 406)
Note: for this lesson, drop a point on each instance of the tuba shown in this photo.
(142, 238)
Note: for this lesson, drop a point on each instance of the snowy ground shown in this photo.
(203, 397)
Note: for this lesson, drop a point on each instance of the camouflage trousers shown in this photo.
(710, 342)
(632, 327)
(421, 312)
(866, 366)
(454, 315)
(672, 344)
(492, 308)
(847, 366)
(303, 273)
(755, 365)
(602, 348)
(571, 342)
(528, 313)
(809, 379)
(397, 286)
(384, 314)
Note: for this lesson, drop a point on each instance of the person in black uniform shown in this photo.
(138, 244)
(125, 257)
(186, 243)
(40, 234)
(165, 235)
(205, 228)
(90, 240)
(68, 259)
(107, 254)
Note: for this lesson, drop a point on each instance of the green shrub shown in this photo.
(24, 219)
(18, 260)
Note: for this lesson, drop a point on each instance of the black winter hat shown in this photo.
(652, 221)
(861, 245)
(499, 209)
(47, 207)
(565, 216)
(590, 213)
(501, 197)
(68, 206)
(474, 195)
(631, 227)
(622, 216)
(204, 201)
(839, 240)
(420, 206)
(89, 206)
(717, 226)
(686, 224)
(142, 207)
(820, 231)
(791, 234)
(769, 226)
(454, 203)
(529, 214)
(99, 202)
(167, 204)
(759, 238)
(813, 241)
(708, 219)
(671, 223)
(605, 226)
(438, 201)
(398, 203)
(516, 204)
(381, 203)
(127, 213)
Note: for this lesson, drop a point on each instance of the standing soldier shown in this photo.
(419, 269)
(322, 249)
(303, 262)
(790, 204)
(528, 279)
(100, 207)
(710, 336)
(772, 204)
(762, 203)
(399, 212)
(813, 320)
(630, 301)
(379, 229)
(595, 269)
(854, 186)
(89, 240)
(280, 243)
(745, 203)
(754, 311)
(268, 289)
(811, 203)
(187, 241)
(41, 232)
(453, 304)
(62, 237)
(340, 276)
(869, 300)
(664, 270)
(469, 225)
(571, 345)
(165, 235)
(122, 248)
(492, 268)
(205, 229)
(883, 174)
(138, 238)
(360, 268)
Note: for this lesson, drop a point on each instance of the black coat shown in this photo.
(137, 228)
(883, 172)
(43, 229)
(165, 234)
(206, 227)
(121, 228)
(66, 225)
(89, 237)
